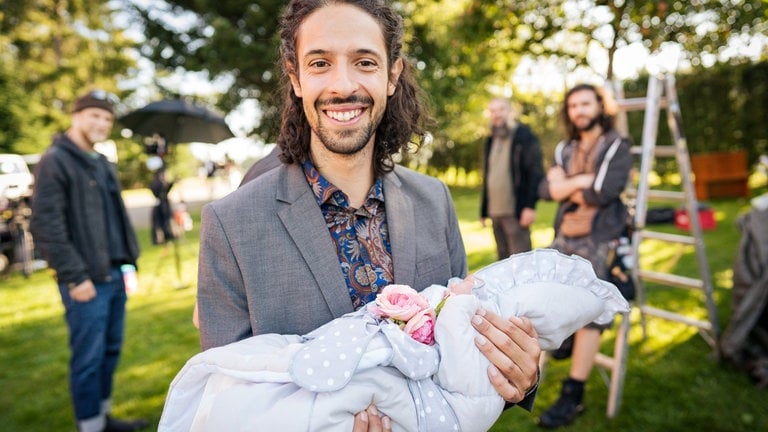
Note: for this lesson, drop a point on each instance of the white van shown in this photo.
(15, 179)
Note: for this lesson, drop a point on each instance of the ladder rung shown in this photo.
(670, 279)
(604, 361)
(636, 104)
(665, 151)
(655, 194)
(667, 237)
(650, 310)
(658, 195)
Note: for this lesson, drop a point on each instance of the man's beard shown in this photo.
(592, 123)
(500, 131)
(347, 142)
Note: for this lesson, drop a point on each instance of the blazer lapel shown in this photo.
(401, 222)
(304, 222)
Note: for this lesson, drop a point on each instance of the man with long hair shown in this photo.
(590, 172)
(322, 234)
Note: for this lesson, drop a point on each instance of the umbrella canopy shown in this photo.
(178, 121)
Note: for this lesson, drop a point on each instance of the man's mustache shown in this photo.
(347, 100)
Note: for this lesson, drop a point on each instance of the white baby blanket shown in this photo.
(319, 381)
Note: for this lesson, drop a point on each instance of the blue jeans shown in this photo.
(96, 331)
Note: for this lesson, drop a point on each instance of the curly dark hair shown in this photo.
(605, 120)
(405, 118)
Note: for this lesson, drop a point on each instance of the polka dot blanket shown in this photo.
(318, 381)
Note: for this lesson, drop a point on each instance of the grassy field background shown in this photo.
(673, 383)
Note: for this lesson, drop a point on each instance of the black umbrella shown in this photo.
(178, 121)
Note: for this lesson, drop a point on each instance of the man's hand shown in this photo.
(556, 173)
(369, 421)
(513, 349)
(83, 292)
(527, 217)
(483, 222)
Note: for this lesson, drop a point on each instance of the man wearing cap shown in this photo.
(80, 225)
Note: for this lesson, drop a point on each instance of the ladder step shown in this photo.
(637, 104)
(664, 151)
(670, 279)
(604, 361)
(667, 237)
(658, 195)
(660, 313)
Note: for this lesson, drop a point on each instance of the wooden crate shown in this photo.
(720, 175)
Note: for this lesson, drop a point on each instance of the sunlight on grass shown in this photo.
(724, 278)
(672, 383)
(758, 179)
(542, 237)
(661, 256)
(662, 336)
(476, 238)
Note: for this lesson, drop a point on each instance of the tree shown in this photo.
(465, 51)
(54, 50)
(233, 40)
(706, 30)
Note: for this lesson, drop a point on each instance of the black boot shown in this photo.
(567, 407)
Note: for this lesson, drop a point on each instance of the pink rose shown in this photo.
(421, 326)
(399, 302)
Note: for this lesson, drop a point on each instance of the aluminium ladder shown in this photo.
(613, 368)
(648, 151)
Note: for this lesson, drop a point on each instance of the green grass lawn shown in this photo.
(672, 383)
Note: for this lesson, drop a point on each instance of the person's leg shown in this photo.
(114, 333)
(570, 403)
(511, 238)
(87, 327)
(518, 237)
(585, 346)
(500, 236)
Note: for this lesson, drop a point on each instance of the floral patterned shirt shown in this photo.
(360, 235)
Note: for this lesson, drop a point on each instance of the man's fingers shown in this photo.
(370, 421)
(512, 348)
(506, 389)
(361, 422)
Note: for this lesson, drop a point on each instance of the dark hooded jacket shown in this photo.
(69, 217)
(612, 167)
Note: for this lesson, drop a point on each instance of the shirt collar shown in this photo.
(327, 193)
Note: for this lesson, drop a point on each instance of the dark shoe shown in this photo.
(115, 425)
(567, 407)
(562, 413)
(565, 350)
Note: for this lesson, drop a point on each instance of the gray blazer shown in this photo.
(268, 264)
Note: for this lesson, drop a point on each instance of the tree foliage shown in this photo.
(465, 51)
(236, 40)
(51, 51)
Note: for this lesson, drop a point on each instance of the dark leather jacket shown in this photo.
(527, 169)
(68, 221)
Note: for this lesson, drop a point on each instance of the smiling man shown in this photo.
(81, 227)
(338, 220)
